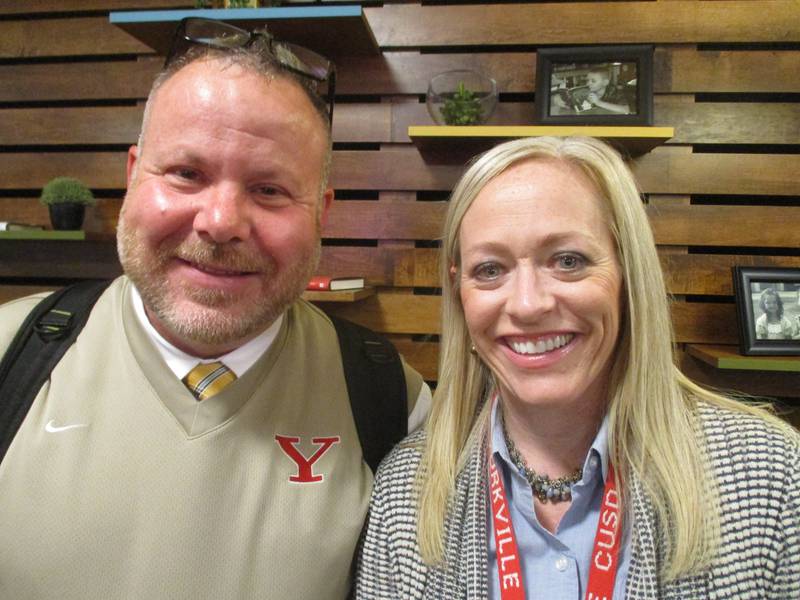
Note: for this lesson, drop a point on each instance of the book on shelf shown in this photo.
(324, 283)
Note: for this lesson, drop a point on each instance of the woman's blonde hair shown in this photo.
(652, 435)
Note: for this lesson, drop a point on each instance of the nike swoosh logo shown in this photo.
(51, 427)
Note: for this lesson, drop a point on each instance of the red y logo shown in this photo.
(305, 474)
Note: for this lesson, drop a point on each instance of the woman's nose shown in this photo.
(530, 294)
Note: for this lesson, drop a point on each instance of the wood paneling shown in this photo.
(409, 72)
(423, 356)
(31, 170)
(58, 259)
(703, 323)
(761, 384)
(120, 124)
(736, 71)
(90, 36)
(663, 171)
(112, 80)
(702, 274)
(392, 313)
(672, 171)
(726, 225)
(54, 126)
(587, 23)
(695, 123)
(729, 122)
(385, 220)
(677, 70)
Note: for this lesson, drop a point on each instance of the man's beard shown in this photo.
(212, 316)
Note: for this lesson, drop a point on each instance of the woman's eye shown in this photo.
(487, 271)
(570, 262)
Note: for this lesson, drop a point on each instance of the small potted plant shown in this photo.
(462, 108)
(67, 199)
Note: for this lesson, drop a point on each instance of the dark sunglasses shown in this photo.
(196, 31)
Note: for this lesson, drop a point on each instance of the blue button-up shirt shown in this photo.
(555, 567)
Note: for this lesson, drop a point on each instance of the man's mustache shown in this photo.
(221, 256)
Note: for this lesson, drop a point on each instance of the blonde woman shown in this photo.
(566, 456)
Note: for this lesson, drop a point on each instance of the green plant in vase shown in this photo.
(67, 199)
(463, 108)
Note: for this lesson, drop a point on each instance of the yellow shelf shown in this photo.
(339, 296)
(728, 357)
(445, 143)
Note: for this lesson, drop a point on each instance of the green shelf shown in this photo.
(728, 357)
(42, 234)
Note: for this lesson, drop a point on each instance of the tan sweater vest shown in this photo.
(120, 485)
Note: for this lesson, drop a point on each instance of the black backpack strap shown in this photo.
(44, 337)
(376, 384)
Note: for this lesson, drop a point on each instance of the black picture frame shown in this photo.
(564, 77)
(750, 285)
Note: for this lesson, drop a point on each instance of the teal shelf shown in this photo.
(330, 30)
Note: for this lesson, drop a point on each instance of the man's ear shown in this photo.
(327, 200)
(133, 156)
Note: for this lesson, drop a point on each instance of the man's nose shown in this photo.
(223, 214)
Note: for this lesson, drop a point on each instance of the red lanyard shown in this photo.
(605, 554)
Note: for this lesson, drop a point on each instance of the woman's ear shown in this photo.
(453, 271)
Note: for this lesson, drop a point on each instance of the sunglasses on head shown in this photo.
(196, 31)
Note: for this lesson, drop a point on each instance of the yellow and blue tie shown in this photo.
(207, 379)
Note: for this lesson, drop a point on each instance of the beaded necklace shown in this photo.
(544, 488)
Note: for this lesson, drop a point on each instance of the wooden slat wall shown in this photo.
(724, 191)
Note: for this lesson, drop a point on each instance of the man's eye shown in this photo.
(267, 190)
(187, 174)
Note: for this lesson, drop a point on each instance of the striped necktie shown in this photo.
(207, 379)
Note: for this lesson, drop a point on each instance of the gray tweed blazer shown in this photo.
(758, 472)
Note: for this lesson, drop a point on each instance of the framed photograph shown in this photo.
(595, 85)
(768, 310)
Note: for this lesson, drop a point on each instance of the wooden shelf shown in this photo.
(339, 296)
(37, 259)
(455, 144)
(728, 357)
(329, 30)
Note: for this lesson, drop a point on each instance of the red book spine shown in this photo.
(319, 283)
